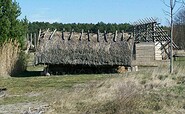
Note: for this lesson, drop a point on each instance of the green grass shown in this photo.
(19, 99)
(180, 59)
(18, 87)
(102, 93)
(34, 84)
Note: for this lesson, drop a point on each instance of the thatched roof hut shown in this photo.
(71, 48)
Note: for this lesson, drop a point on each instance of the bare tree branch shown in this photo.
(168, 21)
(172, 7)
(166, 12)
(165, 3)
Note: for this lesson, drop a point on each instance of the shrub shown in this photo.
(11, 58)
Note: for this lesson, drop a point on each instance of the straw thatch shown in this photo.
(91, 49)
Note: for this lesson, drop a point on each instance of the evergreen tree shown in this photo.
(10, 26)
(101, 26)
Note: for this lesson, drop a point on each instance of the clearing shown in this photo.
(151, 90)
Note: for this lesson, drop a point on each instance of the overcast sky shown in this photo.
(92, 11)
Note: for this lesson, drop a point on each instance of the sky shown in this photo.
(92, 11)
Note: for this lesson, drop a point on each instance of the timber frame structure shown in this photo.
(148, 30)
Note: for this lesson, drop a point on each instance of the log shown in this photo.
(115, 36)
(81, 35)
(63, 34)
(51, 36)
(71, 34)
(105, 36)
(98, 36)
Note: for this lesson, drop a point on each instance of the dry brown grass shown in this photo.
(10, 58)
(151, 90)
(111, 96)
(125, 94)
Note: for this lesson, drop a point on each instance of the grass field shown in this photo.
(22, 85)
(151, 90)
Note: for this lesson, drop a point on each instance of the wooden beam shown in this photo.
(38, 39)
(71, 34)
(35, 41)
(105, 36)
(122, 35)
(63, 30)
(98, 36)
(88, 35)
(31, 38)
(115, 36)
(81, 34)
(52, 34)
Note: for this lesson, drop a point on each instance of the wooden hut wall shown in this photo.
(158, 51)
(145, 52)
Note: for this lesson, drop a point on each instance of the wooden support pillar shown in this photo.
(115, 36)
(81, 34)
(63, 30)
(35, 40)
(133, 49)
(31, 38)
(98, 36)
(38, 39)
(154, 32)
(88, 35)
(122, 35)
(52, 34)
(71, 34)
(105, 36)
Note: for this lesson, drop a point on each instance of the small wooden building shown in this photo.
(151, 43)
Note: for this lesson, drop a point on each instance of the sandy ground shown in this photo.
(24, 108)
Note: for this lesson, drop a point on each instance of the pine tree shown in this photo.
(10, 26)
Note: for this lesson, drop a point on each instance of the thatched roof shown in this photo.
(83, 49)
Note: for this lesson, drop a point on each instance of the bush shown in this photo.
(11, 58)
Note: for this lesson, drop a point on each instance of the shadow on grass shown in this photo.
(31, 71)
(28, 74)
(81, 69)
(56, 70)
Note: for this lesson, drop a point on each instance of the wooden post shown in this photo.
(31, 38)
(51, 36)
(39, 37)
(115, 36)
(88, 35)
(122, 36)
(98, 36)
(46, 33)
(71, 34)
(35, 41)
(63, 34)
(81, 35)
(105, 36)
(133, 49)
(154, 32)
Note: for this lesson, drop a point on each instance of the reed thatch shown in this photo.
(73, 48)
